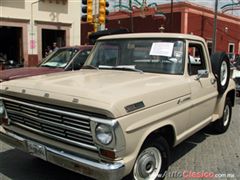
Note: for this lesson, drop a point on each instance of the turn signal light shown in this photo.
(108, 154)
(4, 121)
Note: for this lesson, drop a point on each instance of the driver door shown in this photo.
(203, 90)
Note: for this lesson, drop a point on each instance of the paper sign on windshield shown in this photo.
(162, 49)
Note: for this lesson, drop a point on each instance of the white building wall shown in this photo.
(47, 11)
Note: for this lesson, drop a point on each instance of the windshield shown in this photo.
(59, 58)
(145, 55)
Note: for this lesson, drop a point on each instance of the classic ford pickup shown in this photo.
(137, 96)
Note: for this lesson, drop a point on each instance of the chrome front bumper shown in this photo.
(96, 170)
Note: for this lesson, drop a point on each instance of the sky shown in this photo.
(207, 3)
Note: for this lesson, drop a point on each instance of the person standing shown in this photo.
(55, 47)
(48, 51)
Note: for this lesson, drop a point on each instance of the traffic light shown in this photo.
(103, 12)
(87, 9)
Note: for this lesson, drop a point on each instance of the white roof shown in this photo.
(152, 35)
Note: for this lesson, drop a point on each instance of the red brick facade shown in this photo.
(187, 18)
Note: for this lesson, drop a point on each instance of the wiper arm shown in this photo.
(48, 66)
(90, 67)
(131, 67)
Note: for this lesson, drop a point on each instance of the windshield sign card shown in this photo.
(162, 49)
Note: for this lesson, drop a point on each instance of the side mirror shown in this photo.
(202, 74)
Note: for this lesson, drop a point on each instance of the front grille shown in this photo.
(72, 128)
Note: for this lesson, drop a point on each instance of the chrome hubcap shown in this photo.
(226, 115)
(223, 74)
(148, 164)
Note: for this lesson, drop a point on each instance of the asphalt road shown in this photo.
(204, 152)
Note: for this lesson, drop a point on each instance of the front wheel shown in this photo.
(222, 124)
(152, 161)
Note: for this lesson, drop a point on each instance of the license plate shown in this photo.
(36, 149)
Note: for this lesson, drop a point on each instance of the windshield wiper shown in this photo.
(121, 67)
(90, 67)
(48, 66)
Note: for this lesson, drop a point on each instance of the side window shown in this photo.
(80, 59)
(108, 54)
(196, 58)
(111, 56)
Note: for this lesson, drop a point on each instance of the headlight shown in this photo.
(104, 134)
(3, 114)
(2, 110)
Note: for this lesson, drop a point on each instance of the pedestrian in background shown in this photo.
(55, 47)
(48, 51)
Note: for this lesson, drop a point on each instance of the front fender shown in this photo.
(230, 92)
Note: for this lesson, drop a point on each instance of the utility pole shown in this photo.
(214, 39)
(120, 4)
(171, 22)
(131, 14)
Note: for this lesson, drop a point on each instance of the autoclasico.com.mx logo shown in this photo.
(195, 175)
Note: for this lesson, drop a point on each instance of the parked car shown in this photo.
(237, 63)
(64, 59)
(2, 61)
(237, 80)
(236, 77)
(10, 64)
(123, 111)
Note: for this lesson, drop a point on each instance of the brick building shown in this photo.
(186, 18)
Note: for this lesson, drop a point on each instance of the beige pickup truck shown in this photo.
(137, 96)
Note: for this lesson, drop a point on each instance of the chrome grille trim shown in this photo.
(110, 122)
(58, 124)
(50, 109)
(59, 138)
(27, 116)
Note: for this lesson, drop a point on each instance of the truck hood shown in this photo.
(107, 90)
(16, 73)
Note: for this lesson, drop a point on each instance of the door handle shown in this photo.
(213, 80)
(181, 100)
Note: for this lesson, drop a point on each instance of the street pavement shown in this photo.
(204, 155)
(209, 153)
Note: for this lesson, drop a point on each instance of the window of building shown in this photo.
(231, 49)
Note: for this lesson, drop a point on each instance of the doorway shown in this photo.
(11, 46)
(52, 36)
